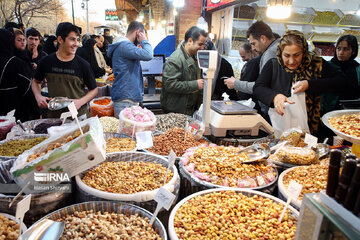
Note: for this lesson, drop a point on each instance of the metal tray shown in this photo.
(256, 152)
(325, 120)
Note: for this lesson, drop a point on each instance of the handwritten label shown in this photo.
(172, 158)
(311, 140)
(144, 140)
(164, 199)
(73, 110)
(294, 189)
(64, 116)
(22, 207)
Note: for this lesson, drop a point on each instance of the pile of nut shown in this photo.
(127, 177)
(313, 178)
(347, 123)
(295, 155)
(224, 166)
(231, 215)
(120, 144)
(167, 121)
(110, 124)
(295, 138)
(174, 139)
(90, 225)
(9, 229)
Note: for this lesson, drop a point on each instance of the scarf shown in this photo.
(310, 68)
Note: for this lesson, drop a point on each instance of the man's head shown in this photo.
(245, 52)
(107, 32)
(68, 36)
(133, 29)
(99, 41)
(33, 38)
(260, 36)
(194, 40)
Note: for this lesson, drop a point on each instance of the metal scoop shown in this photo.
(58, 103)
(256, 152)
(23, 127)
(46, 229)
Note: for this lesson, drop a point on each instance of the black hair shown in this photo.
(65, 28)
(246, 46)
(259, 28)
(20, 25)
(352, 41)
(32, 32)
(11, 25)
(194, 33)
(134, 25)
(106, 30)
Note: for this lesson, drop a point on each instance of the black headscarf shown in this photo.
(6, 47)
(49, 46)
(87, 52)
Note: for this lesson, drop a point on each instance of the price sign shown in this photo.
(64, 116)
(164, 199)
(144, 140)
(294, 191)
(22, 207)
(74, 113)
(172, 158)
(310, 140)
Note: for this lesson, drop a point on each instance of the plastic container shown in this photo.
(171, 229)
(110, 207)
(101, 107)
(130, 127)
(5, 126)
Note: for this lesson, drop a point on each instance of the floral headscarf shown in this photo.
(310, 68)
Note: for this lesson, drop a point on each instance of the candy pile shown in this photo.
(136, 119)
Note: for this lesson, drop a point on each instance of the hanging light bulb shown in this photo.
(201, 23)
(278, 9)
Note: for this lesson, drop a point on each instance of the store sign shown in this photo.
(111, 15)
(211, 5)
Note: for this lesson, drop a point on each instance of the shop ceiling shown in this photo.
(133, 7)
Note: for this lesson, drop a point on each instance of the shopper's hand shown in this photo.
(279, 103)
(78, 103)
(301, 86)
(200, 83)
(229, 82)
(34, 65)
(141, 36)
(42, 101)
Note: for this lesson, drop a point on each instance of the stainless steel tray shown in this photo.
(325, 120)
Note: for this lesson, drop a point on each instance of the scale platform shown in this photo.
(232, 116)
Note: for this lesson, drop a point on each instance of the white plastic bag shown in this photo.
(295, 115)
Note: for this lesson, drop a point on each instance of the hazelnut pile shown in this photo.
(9, 229)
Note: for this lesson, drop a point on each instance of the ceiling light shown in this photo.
(179, 3)
(201, 23)
(278, 9)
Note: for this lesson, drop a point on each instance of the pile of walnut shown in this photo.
(90, 225)
(231, 215)
(9, 229)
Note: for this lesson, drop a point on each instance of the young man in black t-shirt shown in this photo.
(66, 73)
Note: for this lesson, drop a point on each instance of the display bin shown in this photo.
(110, 207)
(36, 124)
(141, 199)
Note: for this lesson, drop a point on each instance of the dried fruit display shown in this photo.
(350, 19)
(231, 215)
(165, 122)
(115, 144)
(9, 229)
(14, 148)
(127, 177)
(326, 17)
(110, 124)
(347, 123)
(97, 225)
(244, 11)
(295, 155)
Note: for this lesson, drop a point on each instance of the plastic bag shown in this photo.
(146, 120)
(295, 115)
(295, 155)
(6, 123)
(102, 106)
(294, 136)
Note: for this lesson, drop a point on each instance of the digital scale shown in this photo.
(222, 117)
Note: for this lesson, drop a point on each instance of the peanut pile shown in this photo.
(231, 215)
(174, 139)
(313, 178)
(127, 177)
(119, 144)
(9, 229)
(347, 123)
(90, 225)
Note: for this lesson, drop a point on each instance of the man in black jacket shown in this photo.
(33, 49)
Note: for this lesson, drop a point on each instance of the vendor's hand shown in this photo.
(78, 103)
(200, 83)
(229, 82)
(279, 103)
(42, 101)
(301, 86)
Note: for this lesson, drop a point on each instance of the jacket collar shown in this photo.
(189, 60)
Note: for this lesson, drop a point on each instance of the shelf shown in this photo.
(326, 18)
(350, 20)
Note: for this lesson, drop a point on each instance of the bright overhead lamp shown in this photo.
(179, 3)
(278, 9)
(201, 23)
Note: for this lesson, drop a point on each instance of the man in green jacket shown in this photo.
(181, 82)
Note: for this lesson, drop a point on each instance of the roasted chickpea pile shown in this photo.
(224, 166)
(90, 225)
(313, 178)
(119, 144)
(347, 123)
(127, 177)
(231, 215)
(9, 229)
(59, 143)
(174, 139)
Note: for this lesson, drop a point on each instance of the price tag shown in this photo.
(311, 140)
(74, 113)
(171, 160)
(22, 207)
(164, 199)
(144, 140)
(64, 116)
(294, 191)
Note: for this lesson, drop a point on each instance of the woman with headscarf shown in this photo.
(50, 44)
(87, 52)
(294, 64)
(344, 61)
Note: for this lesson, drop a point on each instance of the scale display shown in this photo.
(154, 67)
(203, 58)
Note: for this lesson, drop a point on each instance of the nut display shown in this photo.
(295, 137)
(9, 229)
(313, 178)
(97, 225)
(325, 37)
(127, 177)
(119, 144)
(167, 121)
(224, 166)
(110, 124)
(231, 215)
(174, 139)
(295, 155)
(347, 123)
(14, 148)
(350, 19)
(326, 17)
